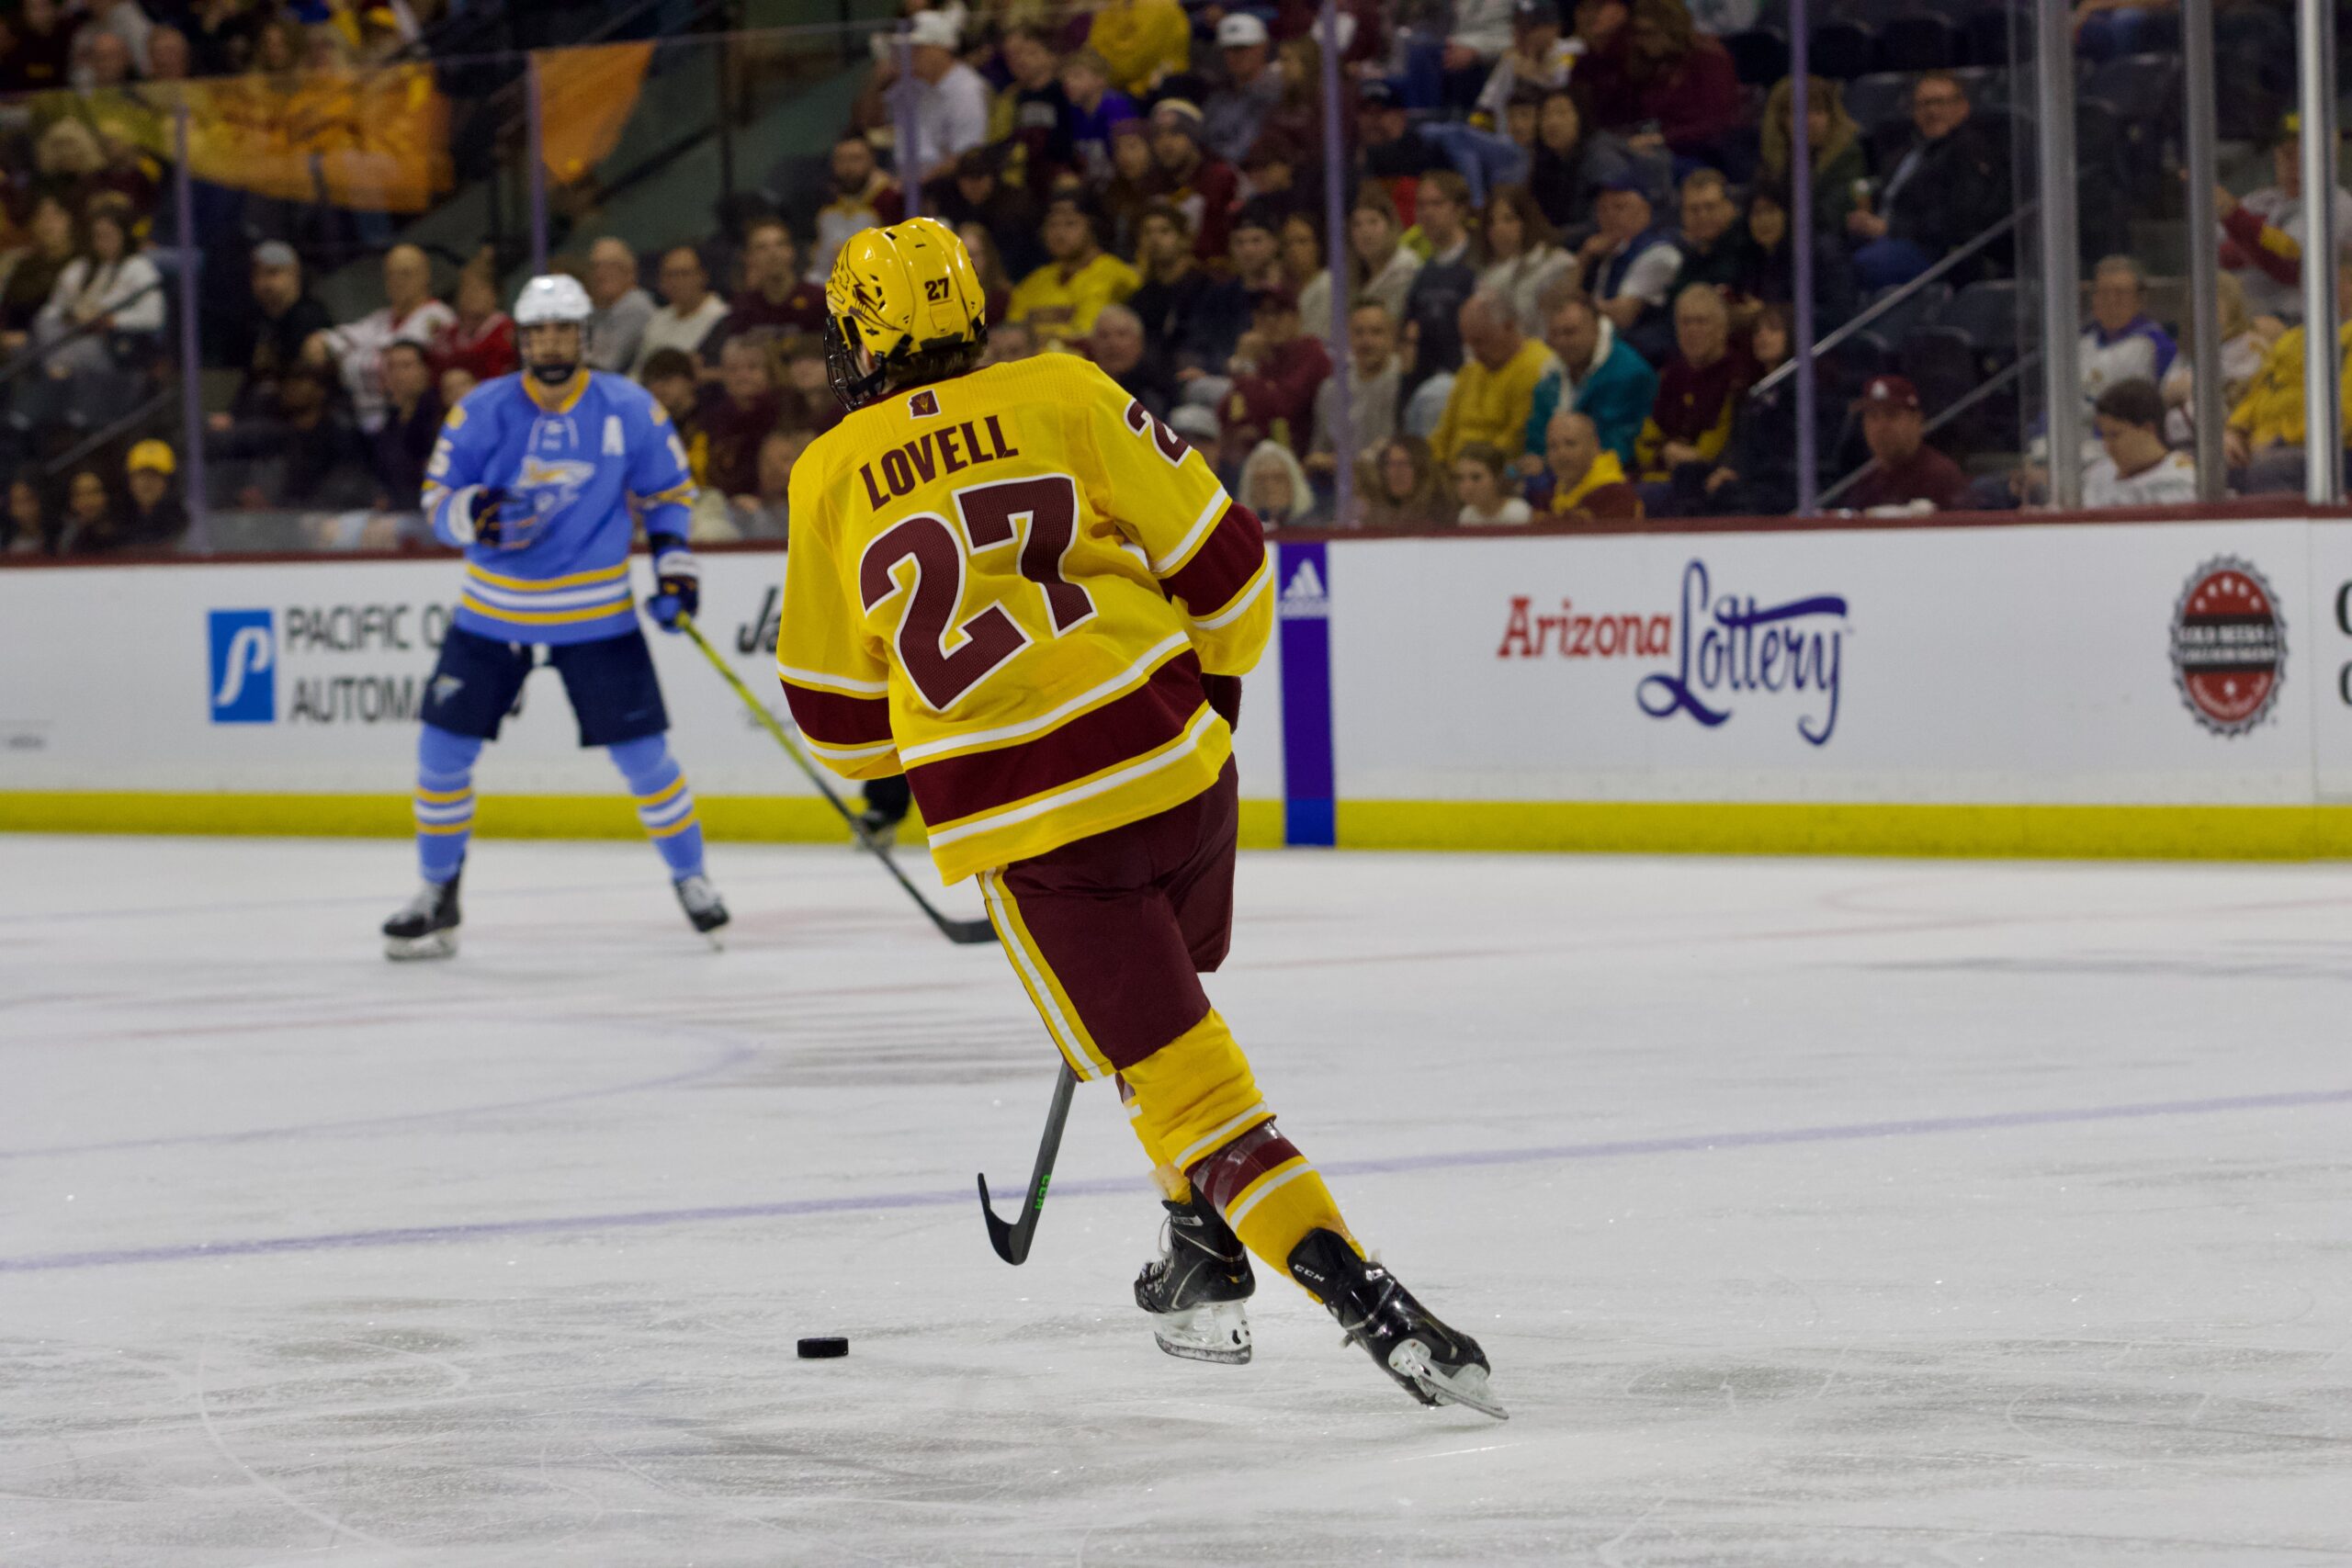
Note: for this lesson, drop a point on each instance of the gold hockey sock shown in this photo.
(1174, 1183)
(1269, 1194)
(1197, 1110)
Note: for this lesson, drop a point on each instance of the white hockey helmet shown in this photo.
(552, 298)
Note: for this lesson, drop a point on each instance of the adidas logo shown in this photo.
(1303, 596)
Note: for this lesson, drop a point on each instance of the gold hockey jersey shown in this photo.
(1010, 585)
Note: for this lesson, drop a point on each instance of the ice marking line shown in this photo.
(733, 1056)
(878, 1202)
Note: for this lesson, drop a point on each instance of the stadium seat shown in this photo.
(1849, 366)
(1986, 88)
(1943, 365)
(2144, 89)
(1918, 309)
(2113, 171)
(1920, 43)
(1760, 56)
(2144, 93)
(1985, 316)
(1843, 51)
(1879, 100)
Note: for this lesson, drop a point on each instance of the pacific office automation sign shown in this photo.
(361, 661)
(1717, 652)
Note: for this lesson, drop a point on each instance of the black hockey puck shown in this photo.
(823, 1348)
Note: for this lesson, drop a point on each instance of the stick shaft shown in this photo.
(865, 839)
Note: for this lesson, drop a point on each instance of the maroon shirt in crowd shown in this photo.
(802, 311)
(1209, 197)
(734, 431)
(1929, 476)
(1693, 400)
(1694, 100)
(1283, 387)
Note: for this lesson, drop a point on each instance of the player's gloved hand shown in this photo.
(486, 515)
(678, 577)
(1224, 693)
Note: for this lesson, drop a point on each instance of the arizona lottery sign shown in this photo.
(2032, 664)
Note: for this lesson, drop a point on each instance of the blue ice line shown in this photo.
(876, 1202)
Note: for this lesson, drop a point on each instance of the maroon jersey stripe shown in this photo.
(831, 719)
(1145, 719)
(1223, 566)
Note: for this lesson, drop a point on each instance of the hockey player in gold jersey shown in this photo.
(1017, 586)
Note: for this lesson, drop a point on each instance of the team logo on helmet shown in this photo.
(896, 293)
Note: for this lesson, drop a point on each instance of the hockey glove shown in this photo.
(484, 516)
(1224, 693)
(678, 577)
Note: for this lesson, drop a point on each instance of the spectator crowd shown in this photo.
(1563, 288)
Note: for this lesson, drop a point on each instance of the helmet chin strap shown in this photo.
(553, 376)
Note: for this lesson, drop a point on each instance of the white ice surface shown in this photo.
(2084, 1339)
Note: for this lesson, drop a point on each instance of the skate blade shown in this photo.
(1217, 1332)
(718, 944)
(1463, 1386)
(411, 950)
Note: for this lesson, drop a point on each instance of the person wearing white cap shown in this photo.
(951, 99)
(1235, 113)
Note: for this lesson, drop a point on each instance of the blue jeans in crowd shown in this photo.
(1888, 263)
(1482, 158)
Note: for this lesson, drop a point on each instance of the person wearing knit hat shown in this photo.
(1206, 189)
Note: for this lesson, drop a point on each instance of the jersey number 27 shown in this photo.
(993, 516)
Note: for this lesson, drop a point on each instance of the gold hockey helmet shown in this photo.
(896, 293)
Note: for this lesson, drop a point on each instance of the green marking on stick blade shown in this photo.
(1041, 1193)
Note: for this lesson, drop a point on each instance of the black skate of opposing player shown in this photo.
(1195, 1288)
(703, 906)
(426, 926)
(1435, 1364)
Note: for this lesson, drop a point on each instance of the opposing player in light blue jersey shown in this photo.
(537, 477)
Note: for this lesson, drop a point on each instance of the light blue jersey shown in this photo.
(573, 465)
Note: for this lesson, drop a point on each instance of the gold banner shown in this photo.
(586, 96)
(371, 141)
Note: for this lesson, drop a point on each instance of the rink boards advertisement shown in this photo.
(2179, 688)
(283, 696)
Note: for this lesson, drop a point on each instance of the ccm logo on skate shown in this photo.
(245, 667)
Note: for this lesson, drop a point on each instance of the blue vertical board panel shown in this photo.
(1309, 814)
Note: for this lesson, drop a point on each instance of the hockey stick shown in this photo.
(1011, 1241)
(965, 932)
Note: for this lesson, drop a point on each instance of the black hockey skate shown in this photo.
(1194, 1289)
(701, 902)
(427, 927)
(1435, 1364)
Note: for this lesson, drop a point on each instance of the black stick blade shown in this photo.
(966, 933)
(1011, 1242)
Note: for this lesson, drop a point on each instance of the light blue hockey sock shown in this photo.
(664, 805)
(445, 801)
